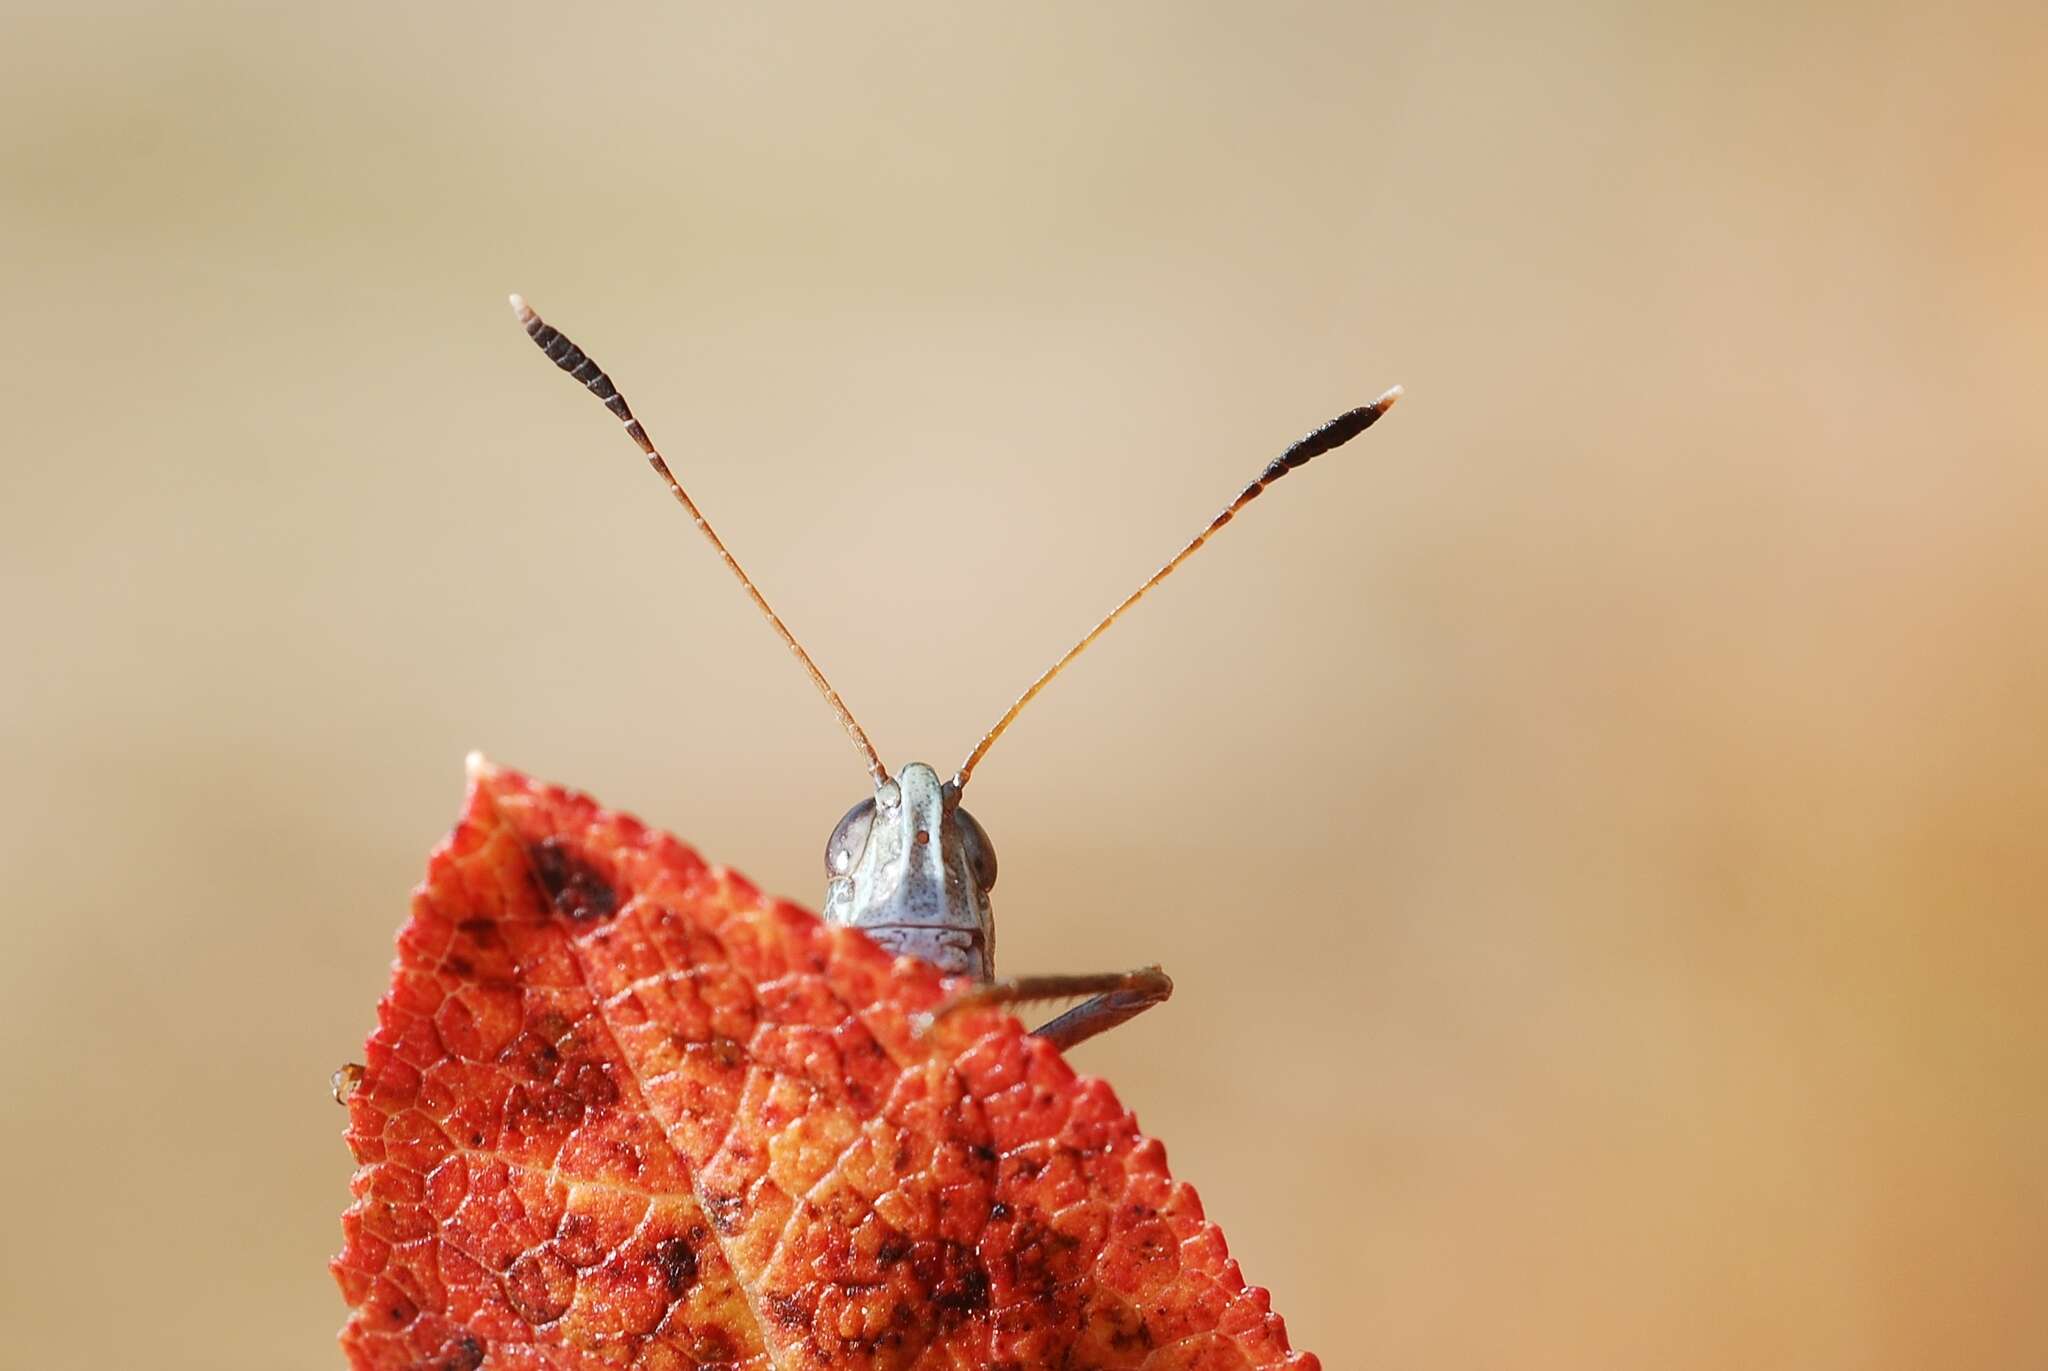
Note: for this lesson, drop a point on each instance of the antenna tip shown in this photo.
(520, 307)
(1383, 404)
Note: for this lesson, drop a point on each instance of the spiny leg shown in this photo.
(1141, 990)
(1115, 997)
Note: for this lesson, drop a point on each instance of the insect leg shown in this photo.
(1116, 996)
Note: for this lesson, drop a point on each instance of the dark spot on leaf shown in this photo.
(533, 1054)
(725, 1213)
(531, 1108)
(540, 1285)
(999, 1211)
(464, 1353)
(787, 1311)
(677, 1264)
(957, 1281)
(894, 1249)
(1036, 1264)
(573, 886)
(961, 1296)
(579, 1241)
(1119, 1323)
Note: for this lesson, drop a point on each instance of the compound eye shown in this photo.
(981, 853)
(849, 839)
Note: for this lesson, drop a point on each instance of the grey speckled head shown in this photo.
(913, 870)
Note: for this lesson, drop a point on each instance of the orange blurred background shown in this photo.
(1595, 821)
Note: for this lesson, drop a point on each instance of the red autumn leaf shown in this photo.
(621, 1110)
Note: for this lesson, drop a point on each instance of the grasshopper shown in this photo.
(908, 865)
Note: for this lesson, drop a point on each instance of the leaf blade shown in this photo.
(622, 1110)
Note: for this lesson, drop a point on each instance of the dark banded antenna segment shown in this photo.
(572, 359)
(1304, 450)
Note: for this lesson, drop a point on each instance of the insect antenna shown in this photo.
(1335, 433)
(572, 359)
